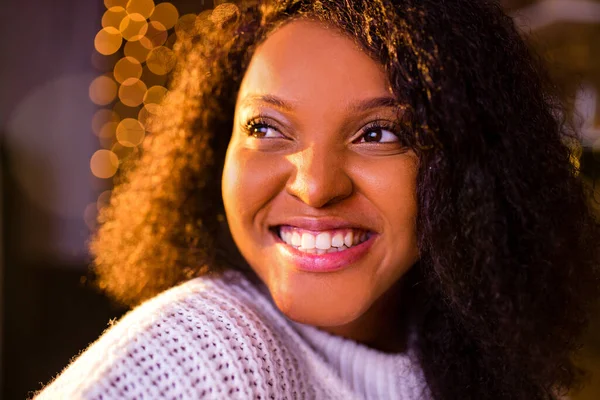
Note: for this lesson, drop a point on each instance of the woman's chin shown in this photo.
(318, 308)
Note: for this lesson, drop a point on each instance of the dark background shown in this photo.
(49, 311)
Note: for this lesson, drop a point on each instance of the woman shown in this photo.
(375, 200)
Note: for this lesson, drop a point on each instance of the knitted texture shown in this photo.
(223, 338)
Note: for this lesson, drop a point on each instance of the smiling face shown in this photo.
(319, 193)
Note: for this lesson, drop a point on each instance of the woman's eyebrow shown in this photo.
(354, 107)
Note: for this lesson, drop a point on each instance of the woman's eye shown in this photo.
(262, 131)
(378, 135)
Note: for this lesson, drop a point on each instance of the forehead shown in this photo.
(307, 61)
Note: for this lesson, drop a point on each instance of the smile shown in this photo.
(322, 251)
(330, 241)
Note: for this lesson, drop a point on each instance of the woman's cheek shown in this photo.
(250, 180)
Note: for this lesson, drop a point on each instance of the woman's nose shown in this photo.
(319, 177)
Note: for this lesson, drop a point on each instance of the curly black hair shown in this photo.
(509, 249)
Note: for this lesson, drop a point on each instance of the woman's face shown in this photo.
(318, 191)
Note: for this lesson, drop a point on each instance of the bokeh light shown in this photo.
(185, 25)
(142, 7)
(103, 199)
(171, 40)
(133, 27)
(107, 143)
(115, 3)
(108, 40)
(121, 151)
(146, 115)
(161, 60)
(133, 49)
(132, 91)
(155, 95)
(125, 111)
(130, 132)
(108, 131)
(113, 17)
(104, 164)
(103, 117)
(156, 35)
(138, 49)
(126, 68)
(166, 14)
(103, 90)
(152, 79)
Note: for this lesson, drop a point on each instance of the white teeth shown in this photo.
(308, 241)
(323, 241)
(295, 239)
(337, 240)
(349, 239)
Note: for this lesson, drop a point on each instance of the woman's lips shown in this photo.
(330, 260)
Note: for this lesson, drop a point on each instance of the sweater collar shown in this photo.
(370, 373)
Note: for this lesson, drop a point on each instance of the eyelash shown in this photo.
(260, 122)
(256, 123)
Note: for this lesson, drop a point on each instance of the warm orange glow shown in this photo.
(108, 41)
(166, 14)
(203, 21)
(123, 128)
(154, 109)
(127, 67)
(113, 17)
(103, 90)
(103, 199)
(138, 49)
(155, 95)
(156, 35)
(109, 130)
(142, 7)
(143, 116)
(171, 40)
(132, 92)
(133, 27)
(103, 117)
(152, 79)
(106, 143)
(115, 3)
(224, 12)
(161, 60)
(124, 111)
(130, 132)
(121, 151)
(147, 114)
(185, 25)
(104, 164)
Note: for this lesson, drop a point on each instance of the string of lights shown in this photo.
(133, 52)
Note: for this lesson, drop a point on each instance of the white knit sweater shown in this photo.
(223, 338)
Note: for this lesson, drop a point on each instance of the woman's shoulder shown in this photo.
(203, 337)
